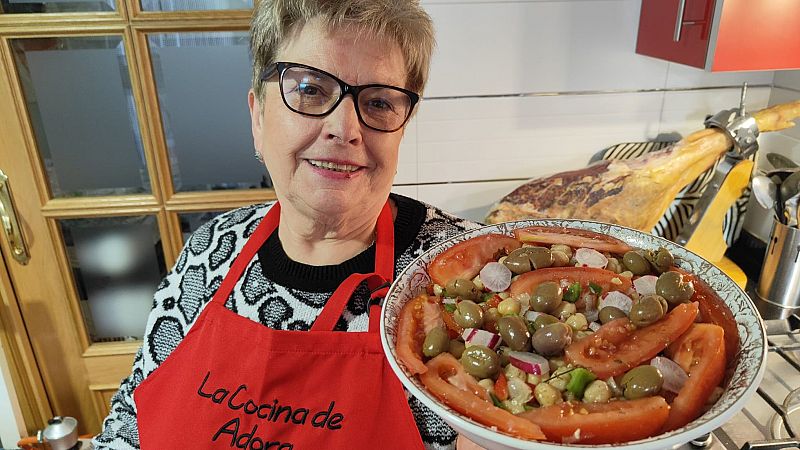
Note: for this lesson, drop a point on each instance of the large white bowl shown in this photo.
(749, 361)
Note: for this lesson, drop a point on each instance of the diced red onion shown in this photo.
(476, 336)
(530, 363)
(431, 317)
(645, 285)
(590, 307)
(496, 277)
(588, 257)
(617, 299)
(674, 376)
(449, 300)
(594, 326)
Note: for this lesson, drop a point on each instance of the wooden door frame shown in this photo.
(26, 380)
(35, 359)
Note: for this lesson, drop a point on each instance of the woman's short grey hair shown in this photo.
(403, 22)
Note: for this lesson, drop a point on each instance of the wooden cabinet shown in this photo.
(722, 35)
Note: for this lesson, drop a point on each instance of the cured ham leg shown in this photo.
(633, 193)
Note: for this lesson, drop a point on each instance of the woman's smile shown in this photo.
(334, 169)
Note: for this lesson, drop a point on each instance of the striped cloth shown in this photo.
(678, 213)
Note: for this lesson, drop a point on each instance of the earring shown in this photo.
(258, 157)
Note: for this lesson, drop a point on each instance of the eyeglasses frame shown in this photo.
(280, 68)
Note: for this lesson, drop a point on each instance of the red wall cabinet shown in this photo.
(722, 35)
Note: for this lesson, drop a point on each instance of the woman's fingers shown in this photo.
(463, 443)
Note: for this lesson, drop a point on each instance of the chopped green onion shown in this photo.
(579, 379)
(573, 292)
(449, 307)
(595, 288)
(496, 401)
(486, 297)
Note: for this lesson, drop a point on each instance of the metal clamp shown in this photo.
(742, 128)
(738, 125)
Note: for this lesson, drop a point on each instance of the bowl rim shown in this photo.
(665, 440)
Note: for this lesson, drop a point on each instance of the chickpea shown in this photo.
(564, 310)
(565, 249)
(546, 394)
(514, 372)
(487, 384)
(577, 322)
(560, 259)
(560, 378)
(597, 392)
(508, 306)
(615, 266)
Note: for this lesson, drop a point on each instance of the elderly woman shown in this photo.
(264, 334)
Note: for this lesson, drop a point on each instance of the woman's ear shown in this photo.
(255, 119)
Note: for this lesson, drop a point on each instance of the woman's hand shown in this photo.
(463, 443)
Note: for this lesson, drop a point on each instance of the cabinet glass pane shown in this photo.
(195, 5)
(202, 81)
(117, 263)
(55, 6)
(190, 222)
(82, 112)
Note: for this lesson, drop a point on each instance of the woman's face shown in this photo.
(297, 148)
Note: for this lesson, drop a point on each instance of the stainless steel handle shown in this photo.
(10, 224)
(676, 36)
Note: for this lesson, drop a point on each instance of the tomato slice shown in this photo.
(601, 423)
(606, 279)
(618, 346)
(411, 335)
(466, 259)
(714, 310)
(472, 401)
(701, 353)
(573, 237)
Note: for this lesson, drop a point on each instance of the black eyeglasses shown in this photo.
(313, 92)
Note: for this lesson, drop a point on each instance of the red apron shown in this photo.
(234, 383)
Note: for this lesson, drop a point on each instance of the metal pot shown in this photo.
(61, 433)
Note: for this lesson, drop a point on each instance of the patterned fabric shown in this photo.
(679, 212)
(199, 270)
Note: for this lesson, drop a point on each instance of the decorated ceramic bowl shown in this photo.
(748, 364)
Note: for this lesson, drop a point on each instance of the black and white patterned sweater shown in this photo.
(274, 291)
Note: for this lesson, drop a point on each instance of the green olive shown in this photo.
(543, 320)
(636, 263)
(642, 381)
(490, 317)
(518, 261)
(514, 333)
(436, 341)
(661, 260)
(648, 310)
(552, 339)
(540, 257)
(546, 297)
(671, 286)
(468, 314)
(480, 361)
(502, 352)
(460, 287)
(456, 348)
(609, 313)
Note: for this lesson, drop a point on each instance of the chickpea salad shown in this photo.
(566, 335)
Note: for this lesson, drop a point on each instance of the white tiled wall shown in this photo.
(490, 119)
